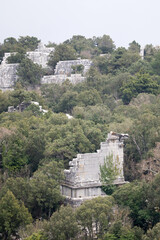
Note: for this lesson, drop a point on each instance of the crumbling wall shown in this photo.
(82, 179)
(8, 76)
(59, 79)
(65, 67)
(40, 55)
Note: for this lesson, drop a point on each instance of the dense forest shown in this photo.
(121, 93)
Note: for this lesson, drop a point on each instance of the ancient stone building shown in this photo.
(40, 55)
(63, 70)
(65, 67)
(82, 179)
(7, 74)
(60, 78)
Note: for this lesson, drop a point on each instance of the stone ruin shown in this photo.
(82, 179)
(63, 70)
(40, 55)
(22, 106)
(8, 75)
(65, 67)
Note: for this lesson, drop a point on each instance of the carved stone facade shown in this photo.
(82, 180)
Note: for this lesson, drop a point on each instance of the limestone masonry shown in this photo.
(65, 67)
(7, 75)
(82, 180)
(40, 55)
(63, 70)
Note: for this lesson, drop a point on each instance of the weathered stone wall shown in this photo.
(63, 70)
(82, 180)
(59, 79)
(65, 67)
(8, 76)
(40, 55)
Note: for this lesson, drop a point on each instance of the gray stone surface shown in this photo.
(82, 179)
(8, 76)
(63, 70)
(65, 67)
(40, 55)
(59, 79)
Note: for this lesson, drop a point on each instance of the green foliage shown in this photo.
(62, 52)
(13, 154)
(21, 45)
(45, 189)
(108, 173)
(35, 236)
(16, 58)
(141, 83)
(62, 225)
(29, 73)
(144, 208)
(155, 63)
(77, 69)
(13, 214)
(29, 43)
(134, 47)
(94, 216)
(33, 147)
(34, 109)
(4, 101)
(98, 113)
(153, 233)
(105, 44)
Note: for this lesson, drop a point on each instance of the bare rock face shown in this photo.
(82, 179)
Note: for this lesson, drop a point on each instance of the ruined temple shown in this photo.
(82, 179)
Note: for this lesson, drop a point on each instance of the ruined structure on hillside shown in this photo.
(63, 70)
(59, 79)
(82, 179)
(65, 67)
(40, 55)
(8, 75)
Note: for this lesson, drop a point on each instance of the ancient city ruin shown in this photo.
(82, 179)
(63, 70)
